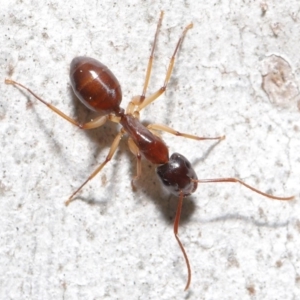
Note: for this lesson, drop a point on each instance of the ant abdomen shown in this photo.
(95, 85)
(177, 175)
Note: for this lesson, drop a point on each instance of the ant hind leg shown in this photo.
(97, 122)
(159, 92)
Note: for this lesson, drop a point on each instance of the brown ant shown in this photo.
(99, 90)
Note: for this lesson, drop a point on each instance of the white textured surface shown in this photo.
(241, 245)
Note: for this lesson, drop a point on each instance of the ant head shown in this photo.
(176, 175)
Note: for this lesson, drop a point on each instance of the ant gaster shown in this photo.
(99, 90)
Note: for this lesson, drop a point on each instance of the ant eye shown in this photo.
(166, 182)
(188, 164)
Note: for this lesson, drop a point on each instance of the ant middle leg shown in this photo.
(170, 130)
(110, 154)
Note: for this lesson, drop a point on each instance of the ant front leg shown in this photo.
(97, 122)
(170, 130)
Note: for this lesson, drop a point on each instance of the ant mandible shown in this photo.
(99, 90)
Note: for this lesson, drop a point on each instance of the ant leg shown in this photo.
(150, 62)
(137, 100)
(136, 152)
(176, 225)
(244, 184)
(97, 122)
(159, 92)
(111, 152)
(177, 133)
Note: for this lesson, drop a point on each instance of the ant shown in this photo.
(99, 90)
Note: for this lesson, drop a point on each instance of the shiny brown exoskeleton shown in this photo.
(177, 175)
(99, 90)
(95, 85)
